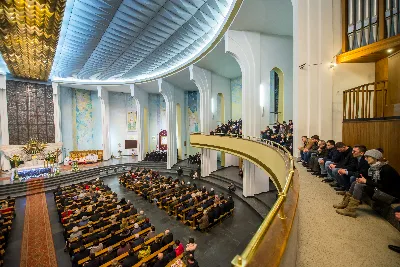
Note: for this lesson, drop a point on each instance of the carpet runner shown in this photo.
(37, 242)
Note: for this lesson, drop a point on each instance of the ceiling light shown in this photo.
(390, 50)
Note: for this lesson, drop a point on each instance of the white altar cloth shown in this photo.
(7, 151)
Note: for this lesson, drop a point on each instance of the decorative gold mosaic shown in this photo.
(29, 35)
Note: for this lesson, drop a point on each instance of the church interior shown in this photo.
(211, 133)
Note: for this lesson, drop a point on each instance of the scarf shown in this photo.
(374, 171)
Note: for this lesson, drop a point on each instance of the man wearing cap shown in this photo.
(380, 175)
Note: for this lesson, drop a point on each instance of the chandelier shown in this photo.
(29, 31)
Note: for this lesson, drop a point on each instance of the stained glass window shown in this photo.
(276, 92)
(30, 112)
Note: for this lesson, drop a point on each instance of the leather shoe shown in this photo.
(323, 175)
(309, 170)
(341, 193)
(394, 248)
(327, 180)
(334, 184)
(339, 188)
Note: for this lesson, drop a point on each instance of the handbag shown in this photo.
(383, 197)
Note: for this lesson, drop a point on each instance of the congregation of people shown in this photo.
(281, 133)
(7, 214)
(195, 159)
(356, 172)
(99, 230)
(156, 156)
(230, 128)
(198, 207)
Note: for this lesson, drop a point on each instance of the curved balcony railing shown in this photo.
(269, 244)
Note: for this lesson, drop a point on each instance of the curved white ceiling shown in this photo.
(135, 40)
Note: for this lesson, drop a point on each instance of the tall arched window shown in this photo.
(276, 95)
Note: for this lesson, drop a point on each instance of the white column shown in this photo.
(3, 111)
(4, 137)
(105, 121)
(141, 100)
(202, 79)
(245, 47)
(168, 91)
(312, 76)
(57, 112)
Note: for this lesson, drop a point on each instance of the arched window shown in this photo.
(276, 96)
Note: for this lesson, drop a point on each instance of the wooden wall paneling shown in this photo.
(394, 78)
(382, 70)
(374, 134)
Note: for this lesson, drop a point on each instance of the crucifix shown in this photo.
(29, 91)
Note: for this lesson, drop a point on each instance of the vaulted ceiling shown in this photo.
(137, 39)
(133, 40)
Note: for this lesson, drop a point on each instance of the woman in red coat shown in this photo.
(179, 248)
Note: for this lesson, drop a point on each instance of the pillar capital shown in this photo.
(166, 89)
(56, 88)
(201, 77)
(3, 82)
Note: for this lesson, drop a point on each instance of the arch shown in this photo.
(277, 84)
(179, 130)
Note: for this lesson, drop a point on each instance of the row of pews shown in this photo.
(184, 201)
(7, 211)
(111, 222)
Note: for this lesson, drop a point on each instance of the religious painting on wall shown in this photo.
(163, 140)
(30, 111)
(132, 120)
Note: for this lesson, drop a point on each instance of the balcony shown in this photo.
(270, 245)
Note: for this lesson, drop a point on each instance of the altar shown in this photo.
(34, 155)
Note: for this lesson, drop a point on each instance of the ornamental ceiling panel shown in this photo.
(137, 40)
(29, 35)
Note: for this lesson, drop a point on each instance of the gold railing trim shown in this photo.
(243, 259)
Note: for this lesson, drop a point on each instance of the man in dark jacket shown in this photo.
(168, 238)
(346, 175)
(131, 260)
(332, 156)
(313, 165)
(343, 160)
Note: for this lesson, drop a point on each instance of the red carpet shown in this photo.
(37, 248)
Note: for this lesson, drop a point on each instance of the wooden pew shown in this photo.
(136, 249)
(116, 245)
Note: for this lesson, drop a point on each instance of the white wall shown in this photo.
(120, 105)
(221, 85)
(317, 90)
(345, 76)
(277, 51)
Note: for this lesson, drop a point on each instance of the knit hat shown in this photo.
(397, 209)
(373, 153)
(75, 229)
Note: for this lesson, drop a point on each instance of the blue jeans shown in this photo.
(343, 180)
(331, 172)
(302, 155)
(324, 166)
(308, 155)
